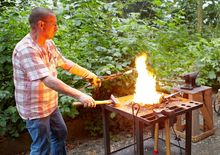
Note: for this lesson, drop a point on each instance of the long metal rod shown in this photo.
(139, 136)
(105, 120)
(188, 132)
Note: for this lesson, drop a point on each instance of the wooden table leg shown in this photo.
(156, 138)
(167, 131)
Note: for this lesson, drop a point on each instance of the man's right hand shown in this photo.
(87, 100)
(59, 86)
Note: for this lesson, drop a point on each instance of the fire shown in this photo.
(145, 89)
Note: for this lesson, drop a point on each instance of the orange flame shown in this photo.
(145, 90)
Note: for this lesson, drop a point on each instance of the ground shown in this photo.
(208, 146)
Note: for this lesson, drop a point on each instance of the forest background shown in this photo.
(179, 36)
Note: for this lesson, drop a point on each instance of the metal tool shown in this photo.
(112, 100)
(168, 98)
(114, 76)
(106, 78)
(173, 95)
(169, 121)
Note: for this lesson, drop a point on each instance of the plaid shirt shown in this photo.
(31, 63)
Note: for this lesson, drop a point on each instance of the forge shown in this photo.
(147, 107)
(145, 116)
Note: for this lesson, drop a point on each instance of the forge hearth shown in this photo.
(149, 115)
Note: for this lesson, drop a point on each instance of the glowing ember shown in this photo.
(145, 91)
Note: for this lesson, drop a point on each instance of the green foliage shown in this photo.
(209, 62)
(94, 127)
(66, 108)
(10, 122)
(13, 26)
(11, 32)
(96, 35)
(93, 37)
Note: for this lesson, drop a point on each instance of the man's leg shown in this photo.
(39, 130)
(58, 134)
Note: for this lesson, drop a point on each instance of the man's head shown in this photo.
(43, 21)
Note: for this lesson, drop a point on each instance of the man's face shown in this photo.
(49, 28)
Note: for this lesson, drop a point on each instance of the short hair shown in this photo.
(37, 14)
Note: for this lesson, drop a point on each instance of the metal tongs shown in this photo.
(108, 77)
(168, 98)
(114, 76)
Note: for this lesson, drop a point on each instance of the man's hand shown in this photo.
(87, 100)
(95, 81)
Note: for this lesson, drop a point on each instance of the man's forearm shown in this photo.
(78, 70)
(61, 87)
(82, 72)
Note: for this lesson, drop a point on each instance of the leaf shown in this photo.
(212, 75)
(3, 122)
(100, 49)
(113, 115)
(157, 2)
(10, 110)
(218, 79)
(117, 54)
(77, 22)
(14, 118)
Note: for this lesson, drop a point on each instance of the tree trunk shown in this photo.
(55, 3)
(199, 16)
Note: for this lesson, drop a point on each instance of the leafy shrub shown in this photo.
(209, 62)
(95, 35)
(13, 26)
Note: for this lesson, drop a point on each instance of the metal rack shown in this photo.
(148, 118)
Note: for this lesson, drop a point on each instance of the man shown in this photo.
(35, 59)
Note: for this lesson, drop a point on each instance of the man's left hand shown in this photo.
(95, 81)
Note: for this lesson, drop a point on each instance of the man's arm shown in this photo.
(63, 88)
(67, 64)
(82, 72)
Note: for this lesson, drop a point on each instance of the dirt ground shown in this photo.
(208, 146)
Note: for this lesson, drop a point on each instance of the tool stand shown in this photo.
(202, 118)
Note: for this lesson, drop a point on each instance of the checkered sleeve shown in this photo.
(31, 61)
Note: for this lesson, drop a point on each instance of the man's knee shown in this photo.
(63, 133)
(60, 134)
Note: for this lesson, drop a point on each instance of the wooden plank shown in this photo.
(179, 123)
(156, 138)
(208, 119)
(208, 123)
(193, 91)
(167, 131)
(195, 114)
(199, 137)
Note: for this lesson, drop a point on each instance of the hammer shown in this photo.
(112, 100)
